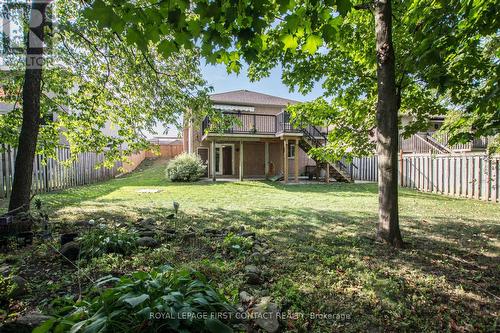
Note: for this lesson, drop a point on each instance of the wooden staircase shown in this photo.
(313, 138)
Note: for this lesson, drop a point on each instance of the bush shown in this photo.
(163, 300)
(108, 240)
(185, 168)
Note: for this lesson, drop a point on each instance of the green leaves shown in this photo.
(216, 326)
(343, 6)
(167, 47)
(128, 304)
(289, 41)
(134, 301)
(312, 44)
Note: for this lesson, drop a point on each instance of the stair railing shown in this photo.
(312, 133)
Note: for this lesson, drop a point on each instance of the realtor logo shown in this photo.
(18, 21)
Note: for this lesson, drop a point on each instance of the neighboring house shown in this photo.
(437, 143)
(262, 144)
(109, 129)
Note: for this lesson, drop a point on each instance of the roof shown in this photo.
(247, 97)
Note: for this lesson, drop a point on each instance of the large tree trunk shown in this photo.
(387, 127)
(21, 186)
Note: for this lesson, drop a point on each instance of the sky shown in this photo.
(218, 78)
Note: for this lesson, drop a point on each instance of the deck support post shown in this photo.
(266, 159)
(285, 160)
(327, 176)
(296, 160)
(212, 159)
(241, 161)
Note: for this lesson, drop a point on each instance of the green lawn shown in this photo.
(325, 259)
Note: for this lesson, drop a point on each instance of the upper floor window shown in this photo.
(235, 108)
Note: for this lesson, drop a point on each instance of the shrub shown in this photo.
(185, 168)
(108, 240)
(186, 302)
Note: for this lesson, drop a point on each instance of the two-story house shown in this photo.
(261, 144)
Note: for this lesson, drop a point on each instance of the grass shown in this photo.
(326, 260)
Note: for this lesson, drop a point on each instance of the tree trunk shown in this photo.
(21, 186)
(387, 127)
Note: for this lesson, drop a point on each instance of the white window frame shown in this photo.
(224, 107)
(221, 160)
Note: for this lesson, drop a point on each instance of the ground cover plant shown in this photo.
(313, 252)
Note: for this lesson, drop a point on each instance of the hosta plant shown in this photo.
(108, 240)
(163, 300)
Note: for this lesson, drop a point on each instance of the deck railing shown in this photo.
(477, 143)
(244, 123)
(438, 143)
(253, 123)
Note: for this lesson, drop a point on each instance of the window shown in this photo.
(234, 108)
(291, 150)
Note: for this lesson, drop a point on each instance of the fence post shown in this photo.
(401, 167)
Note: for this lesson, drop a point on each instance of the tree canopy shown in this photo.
(93, 79)
(446, 51)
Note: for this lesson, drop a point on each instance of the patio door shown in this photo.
(224, 159)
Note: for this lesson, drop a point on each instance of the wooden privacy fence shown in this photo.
(53, 174)
(167, 150)
(470, 175)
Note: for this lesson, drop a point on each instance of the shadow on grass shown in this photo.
(327, 261)
(332, 255)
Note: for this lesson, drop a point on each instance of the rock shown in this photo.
(252, 274)
(252, 269)
(256, 258)
(68, 237)
(147, 233)
(246, 297)
(24, 324)
(19, 286)
(147, 242)
(169, 236)
(5, 270)
(27, 237)
(247, 234)
(253, 279)
(210, 231)
(83, 224)
(148, 223)
(258, 248)
(71, 250)
(232, 229)
(266, 315)
(11, 260)
(189, 235)
(268, 252)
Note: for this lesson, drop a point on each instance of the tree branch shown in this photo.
(365, 6)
